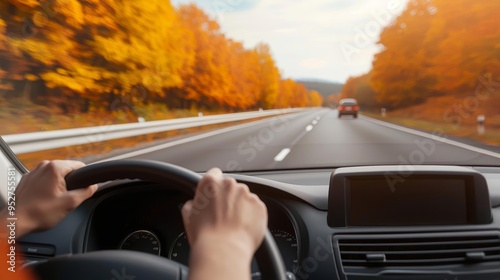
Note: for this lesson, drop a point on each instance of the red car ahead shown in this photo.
(348, 106)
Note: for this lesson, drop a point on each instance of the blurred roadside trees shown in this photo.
(105, 55)
(359, 87)
(434, 48)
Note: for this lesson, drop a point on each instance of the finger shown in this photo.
(229, 181)
(244, 188)
(230, 197)
(66, 166)
(85, 193)
(74, 198)
(215, 173)
(186, 211)
(210, 184)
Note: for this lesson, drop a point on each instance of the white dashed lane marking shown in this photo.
(282, 155)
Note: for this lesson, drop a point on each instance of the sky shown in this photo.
(310, 39)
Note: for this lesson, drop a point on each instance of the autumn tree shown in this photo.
(13, 66)
(396, 74)
(463, 44)
(359, 88)
(269, 77)
(148, 50)
(243, 66)
(208, 83)
(436, 47)
(44, 37)
(3, 54)
(85, 55)
(315, 99)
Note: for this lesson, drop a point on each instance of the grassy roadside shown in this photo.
(23, 117)
(491, 135)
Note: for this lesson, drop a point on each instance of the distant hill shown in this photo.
(325, 88)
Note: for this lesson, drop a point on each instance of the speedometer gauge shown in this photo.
(287, 244)
(141, 241)
(179, 251)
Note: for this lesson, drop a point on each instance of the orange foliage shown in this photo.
(435, 48)
(93, 55)
(360, 89)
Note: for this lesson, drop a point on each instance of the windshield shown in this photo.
(252, 84)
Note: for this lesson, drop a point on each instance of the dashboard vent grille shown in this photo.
(417, 250)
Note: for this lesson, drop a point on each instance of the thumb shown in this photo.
(186, 212)
(74, 198)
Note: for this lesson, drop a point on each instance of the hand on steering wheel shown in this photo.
(230, 206)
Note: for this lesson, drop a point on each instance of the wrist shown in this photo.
(226, 256)
(229, 244)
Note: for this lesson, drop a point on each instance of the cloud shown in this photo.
(313, 63)
(305, 35)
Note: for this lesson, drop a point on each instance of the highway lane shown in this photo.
(251, 147)
(314, 138)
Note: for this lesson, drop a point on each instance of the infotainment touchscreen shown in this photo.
(373, 202)
(426, 196)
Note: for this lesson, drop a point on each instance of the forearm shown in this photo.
(228, 260)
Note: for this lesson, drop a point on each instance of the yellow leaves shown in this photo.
(315, 99)
(81, 79)
(100, 14)
(98, 48)
(27, 3)
(439, 53)
(3, 37)
(292, 94)
(72, 10)
(31, 77)
(148, 45)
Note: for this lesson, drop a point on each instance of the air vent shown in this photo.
(416, 250)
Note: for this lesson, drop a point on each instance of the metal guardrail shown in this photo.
(46, 140)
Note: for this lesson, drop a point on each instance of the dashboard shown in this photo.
(142, 216)
(147, 218)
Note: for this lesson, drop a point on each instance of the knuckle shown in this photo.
(42, 164)
(208, 180)
(229, 181)
(52, 166)
(243, 188)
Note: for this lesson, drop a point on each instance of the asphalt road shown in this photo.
(315, 138)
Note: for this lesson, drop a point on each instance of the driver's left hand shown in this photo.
(42, 199)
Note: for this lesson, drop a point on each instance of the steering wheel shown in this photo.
(128, 265)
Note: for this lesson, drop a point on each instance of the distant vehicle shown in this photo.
(348, 106)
